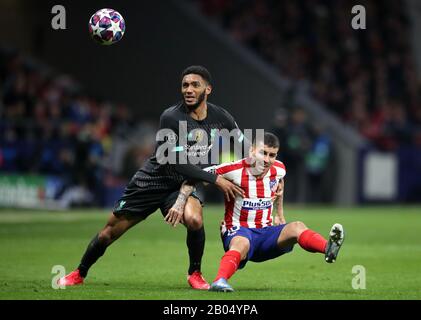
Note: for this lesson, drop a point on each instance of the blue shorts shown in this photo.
(263, 242)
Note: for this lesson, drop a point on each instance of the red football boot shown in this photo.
(72, 279)
(196, 281)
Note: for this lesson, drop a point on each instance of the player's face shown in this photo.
(194, 90)
(264, 157)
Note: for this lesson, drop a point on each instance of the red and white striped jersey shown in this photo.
(255, 209)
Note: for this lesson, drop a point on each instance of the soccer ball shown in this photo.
(107, 26)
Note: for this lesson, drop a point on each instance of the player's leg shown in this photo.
(115, 227)
(237, 251)
(195, 240)
(297, 232)
(291, 233)
(311, 241)
(193, 221)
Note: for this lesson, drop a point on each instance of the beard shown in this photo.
(200, 99)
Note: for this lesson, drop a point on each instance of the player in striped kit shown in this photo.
(247, 231)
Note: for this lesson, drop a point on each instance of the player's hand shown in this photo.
(278, 220)
(229, 189)
(174, 216)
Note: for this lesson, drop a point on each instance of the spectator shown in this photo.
(49, 126)
(297, 143)
(319, 166)
(354, 74)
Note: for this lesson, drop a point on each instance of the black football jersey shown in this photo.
(182, 135)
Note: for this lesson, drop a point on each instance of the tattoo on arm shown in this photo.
(185, 191)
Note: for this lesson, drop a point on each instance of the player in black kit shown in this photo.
(156, 185)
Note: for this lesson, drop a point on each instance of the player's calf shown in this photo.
(312, 241)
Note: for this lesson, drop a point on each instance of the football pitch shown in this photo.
(150, 260)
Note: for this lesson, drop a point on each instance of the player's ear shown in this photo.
(208, 89)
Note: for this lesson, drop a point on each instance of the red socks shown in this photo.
(312, 241)
(229, 264)
(309, 240)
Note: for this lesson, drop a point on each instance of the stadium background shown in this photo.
(78, 119)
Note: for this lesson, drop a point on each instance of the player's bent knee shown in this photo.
(298, 227)
(292, 230)
(193, 222)
(240, 244)
(193, 219)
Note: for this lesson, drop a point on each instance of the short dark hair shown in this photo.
(200, 70)
(270, 140)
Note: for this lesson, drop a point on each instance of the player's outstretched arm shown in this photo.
(229, 189)
(193, 172)
(175, 214)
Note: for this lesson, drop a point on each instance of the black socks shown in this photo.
(94, 250)
(196, 244)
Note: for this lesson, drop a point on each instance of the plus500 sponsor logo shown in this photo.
(257, 204)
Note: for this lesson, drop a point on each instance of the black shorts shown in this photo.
(138, 201)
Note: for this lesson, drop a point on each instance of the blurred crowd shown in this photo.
(307, 151)
(366, 77)
(49, 126)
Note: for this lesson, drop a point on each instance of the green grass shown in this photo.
(150, 261)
